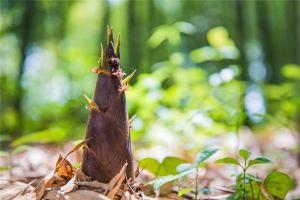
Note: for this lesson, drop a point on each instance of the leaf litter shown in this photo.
(67, 182)
(215, 177)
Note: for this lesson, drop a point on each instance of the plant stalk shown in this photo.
(196, 182)
(244, 184)
(252, 190)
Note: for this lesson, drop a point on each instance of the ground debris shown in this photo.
(80, 186)
(67, 182)
(16, 190)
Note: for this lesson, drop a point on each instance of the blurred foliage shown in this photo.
(45, 136)
(166, 167)
(275, 186)
(183, 101)
(205, 67)
(176, 170)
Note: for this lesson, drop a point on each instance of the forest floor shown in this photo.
(33, 163)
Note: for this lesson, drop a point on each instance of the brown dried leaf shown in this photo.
(63, 172)
(54, 182)
(116, 182)
(93, 184)
(75, 195)
(123, 196)
(28, 196)
(16, 190)
(76, 147)
(64, 168)
(41, 188)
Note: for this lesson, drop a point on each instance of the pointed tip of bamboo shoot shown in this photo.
(117, 46)
(110, 44)
(108, 30)
(110, 36)
(110, 54)
(102, 59)
(128, 78)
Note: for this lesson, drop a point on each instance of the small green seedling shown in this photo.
(245, 165)
(182, 170)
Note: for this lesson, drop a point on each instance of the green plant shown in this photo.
(182, 169)
(276, 184)
(244, 165)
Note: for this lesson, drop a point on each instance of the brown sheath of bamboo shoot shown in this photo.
(108, 144)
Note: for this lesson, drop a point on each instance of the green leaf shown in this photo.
(160, 181)
(162, 33)
(291, 71)
(3, 153)
(20, 149)
(184, 167)
(149, 164)
(228, 160)
(218, 37)
(76, 165)
(185, 27)
(278, 184)
(204, 54)
(204, 155)
(45, 136)
(252, 178)
(5, 168)
(184, 191)
(244, 154)
(168, 166)
(4, 138)
(258, 161)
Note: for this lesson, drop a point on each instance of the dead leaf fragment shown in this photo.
(64, 168)
(16, 190)
(75, 195)
(116, 182)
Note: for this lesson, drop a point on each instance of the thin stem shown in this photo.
(237, 131)
(258, 196)
(178, 182)
(244, 185)
(252, 190)
(196, 186)
(10, 164)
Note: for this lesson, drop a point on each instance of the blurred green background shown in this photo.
(204, 68)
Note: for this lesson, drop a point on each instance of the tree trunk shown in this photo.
(108, 144)
(25, 35)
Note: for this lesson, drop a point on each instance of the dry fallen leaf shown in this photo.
(76, 195)
(64, 172)
(65, 182)
(64, 169)
(16, 190)
(116, 182)
(41, 187)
